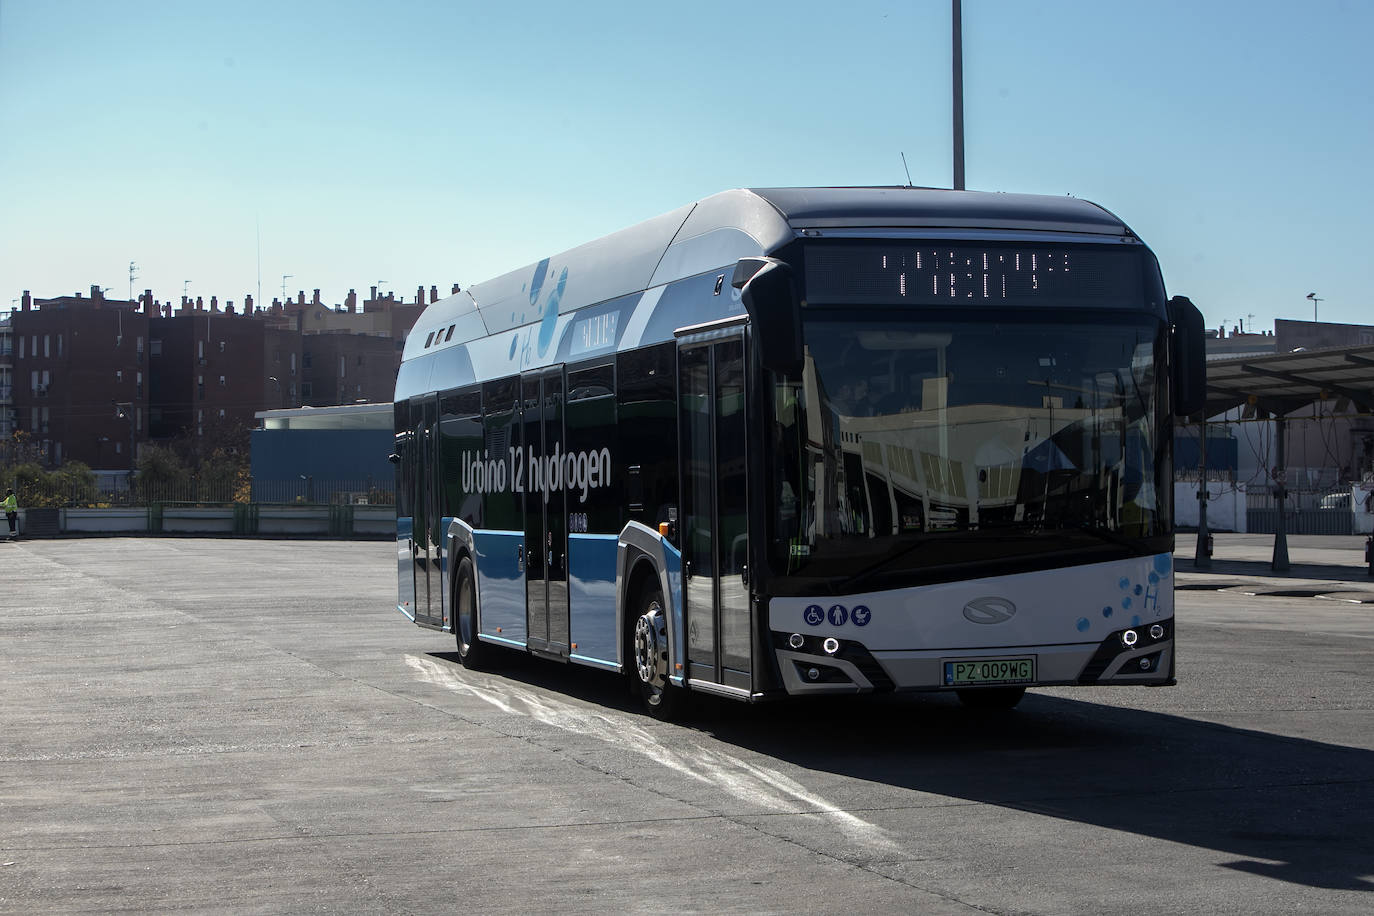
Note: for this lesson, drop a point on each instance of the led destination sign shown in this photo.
(931, 273)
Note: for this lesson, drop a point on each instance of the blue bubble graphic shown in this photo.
(513, 342)
(1135, 621)
(1139, 589)
(551, 313)
(1107, 611)
(1124, 583)
(1163, 563)
(1125, 604)
(1083, 624)
(1154, 578)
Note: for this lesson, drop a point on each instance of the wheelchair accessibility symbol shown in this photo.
(814, 615)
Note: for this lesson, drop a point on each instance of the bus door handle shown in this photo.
(520, 557)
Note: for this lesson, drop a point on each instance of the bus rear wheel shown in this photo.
(992, 697)
(471, 652)
(649, 651)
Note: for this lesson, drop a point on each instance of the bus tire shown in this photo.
(649, 655)
(992, 697)
(471, 651)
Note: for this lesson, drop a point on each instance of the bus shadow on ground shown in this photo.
(1290, 809)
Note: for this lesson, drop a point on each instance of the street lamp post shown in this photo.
(1315, 299)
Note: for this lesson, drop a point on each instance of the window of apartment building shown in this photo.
(293, 364)
(343, 367)
(119, 448)
(33, 381)
(21, 346)
(293, 390)
(200, 349)
(47, 346)
(276, 356)
(307, 361)
(45, 380)
(139, 384)
(155, 346)
(59, 346)
(307, 390)
(33, 345)
(221, 381)
(221, 413)
(119, 375)
(221, 346)
(360, 359)
(33, 421)
(200, 387)
(138, 418)
(138, 346)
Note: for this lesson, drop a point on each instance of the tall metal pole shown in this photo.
(1280, 560)
(1202, 556)
(958, 56)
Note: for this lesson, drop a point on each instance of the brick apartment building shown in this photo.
(91, 378)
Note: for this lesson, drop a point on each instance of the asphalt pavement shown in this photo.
(248, 726)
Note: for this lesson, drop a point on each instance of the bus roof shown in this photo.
(717, 231)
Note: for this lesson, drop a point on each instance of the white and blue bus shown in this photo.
(808, 441)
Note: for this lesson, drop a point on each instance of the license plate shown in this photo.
(989, 671)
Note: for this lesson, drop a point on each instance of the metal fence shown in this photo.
(308, 491)
(1305, 511)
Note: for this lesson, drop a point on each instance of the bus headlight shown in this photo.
(831, 645)
(796, 640)
(1156, 632)
(1129, 638)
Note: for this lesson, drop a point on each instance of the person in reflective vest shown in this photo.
(11, 511)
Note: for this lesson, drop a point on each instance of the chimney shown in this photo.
(352, 302)
(96, 293)
(455, 290)
(214, 303)
(148, 302)
(229, 307)
(300, 297)
(316, 300)
(200, 303)
(248, 304)
(374, 294)
(420, 295)
(433, 293)
(169, 306)
(26, 302)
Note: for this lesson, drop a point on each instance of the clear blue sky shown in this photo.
(421, 142)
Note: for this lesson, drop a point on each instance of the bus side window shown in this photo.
(590, 421)
(647, 399)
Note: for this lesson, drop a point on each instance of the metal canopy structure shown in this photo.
(1285, 382)
(1278, 385)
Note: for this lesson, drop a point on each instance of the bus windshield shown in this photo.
(912, 445)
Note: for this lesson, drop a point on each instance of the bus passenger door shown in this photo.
(715, 537)
(546, 536)
(428, 576)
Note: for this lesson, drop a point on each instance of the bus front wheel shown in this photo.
(471, 652)
(650, 653)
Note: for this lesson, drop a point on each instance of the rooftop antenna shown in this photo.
(284, 278)
(908, 171)
(1315, 299)
(133, 275)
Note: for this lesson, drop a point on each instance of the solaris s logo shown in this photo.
(989, 610)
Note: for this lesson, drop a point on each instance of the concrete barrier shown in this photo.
(243, 520)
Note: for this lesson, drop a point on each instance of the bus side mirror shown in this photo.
(765, 285)
(1189, 357)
